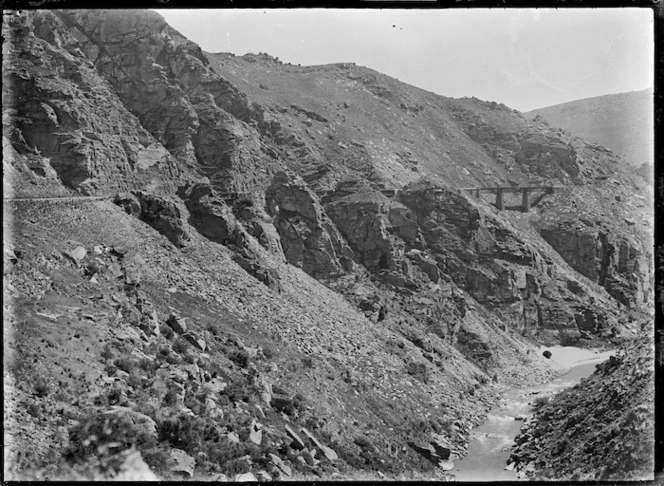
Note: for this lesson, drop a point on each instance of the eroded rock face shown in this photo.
(196, 114)
(159, 212)
(208, 213)
(615, 261)
(68, 114)
(500, 268)
(309, 238)
(215, 220)
(377, 229)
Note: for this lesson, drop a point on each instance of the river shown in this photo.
(490, 443)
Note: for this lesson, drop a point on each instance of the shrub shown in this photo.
(268, 351)
(166, 331)
(418, 371)
(191, 434)
(240, 358)
(107, 353)
(170, 398)
(97, 434)
(155, 458)
(110, 369)
(114, 396)
(363, 443)
(239, 390)
(180, 346)
(125, 364)
(149, 366)
(539, 402)
(33, 410)
(42, 387)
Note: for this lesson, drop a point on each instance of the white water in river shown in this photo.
(490, 443)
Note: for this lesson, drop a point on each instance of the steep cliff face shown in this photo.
(197, 115)
(309, 239)
(67, 121)
(314, 210)
(607, 237)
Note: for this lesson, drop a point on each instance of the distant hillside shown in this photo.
(622, 122)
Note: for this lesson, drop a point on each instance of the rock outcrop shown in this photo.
(618, 262)
(69, 119)
(196, 114)
(309, 238)
(161, 213)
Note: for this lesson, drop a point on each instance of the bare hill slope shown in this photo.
(622, 122)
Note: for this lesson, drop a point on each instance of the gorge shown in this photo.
(227, 267)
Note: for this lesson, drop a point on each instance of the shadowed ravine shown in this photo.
(490, 443)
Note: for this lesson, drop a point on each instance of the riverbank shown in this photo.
(601, 429)
(490, 445)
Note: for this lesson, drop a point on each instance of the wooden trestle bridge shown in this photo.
(526, 191)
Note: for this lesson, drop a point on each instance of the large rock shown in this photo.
(181, 463)
(177, 323)
(209, 213)
(297, 442)
(142, 423)
(309, 238)
(160, 212)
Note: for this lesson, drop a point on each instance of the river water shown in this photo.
(490, 443)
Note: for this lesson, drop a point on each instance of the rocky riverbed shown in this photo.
(490, 445)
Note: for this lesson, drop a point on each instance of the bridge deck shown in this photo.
(510, 188)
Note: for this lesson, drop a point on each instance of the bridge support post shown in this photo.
(525, 200)
(499, 199)
(477, 193)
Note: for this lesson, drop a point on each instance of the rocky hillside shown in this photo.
(602, 428)
(244, 267)
(623, 122)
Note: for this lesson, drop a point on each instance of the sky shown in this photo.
(524, 58)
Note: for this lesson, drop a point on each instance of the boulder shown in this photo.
(314, 442)
(547, 354)
(426, 451)
(160, 212)
(149, 323)
(177, 323)
(134, 469)
(77, 254)
(142, 423)
(245, 478)
(277, 461)
(255, 433)
(129, 202)
(442, 449)
(329, 453)
(194, 340)
(209, 213)
(297, 442)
